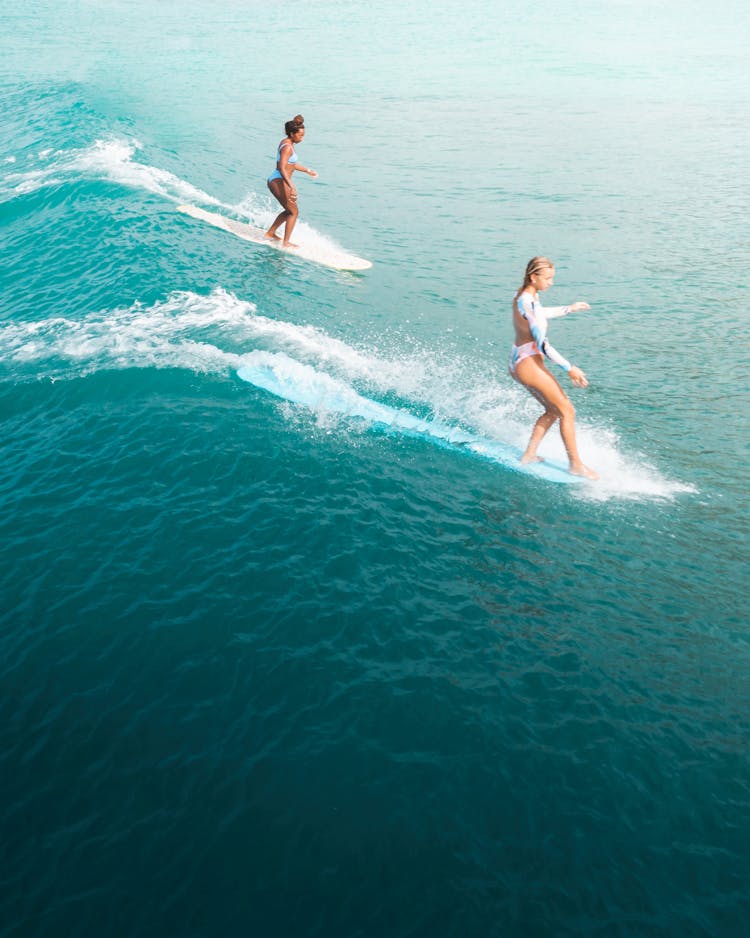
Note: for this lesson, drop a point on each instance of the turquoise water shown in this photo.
(313, 664)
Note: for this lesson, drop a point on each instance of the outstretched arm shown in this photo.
(552, 312)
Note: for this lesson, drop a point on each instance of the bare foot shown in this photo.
(584, 471)
(527, 459)
(272, 237)
(288, 244)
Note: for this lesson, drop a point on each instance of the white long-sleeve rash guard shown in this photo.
(536, 316)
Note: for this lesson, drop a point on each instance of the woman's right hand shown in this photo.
(578, 377)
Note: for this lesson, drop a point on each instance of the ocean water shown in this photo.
(319, 664)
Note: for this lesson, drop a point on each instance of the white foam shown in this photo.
(113, 159)
(110, 159)
(218, 333)
(161, 336)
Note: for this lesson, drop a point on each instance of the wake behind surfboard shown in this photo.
(327, 255)
(299, 383)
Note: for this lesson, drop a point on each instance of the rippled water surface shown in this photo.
(318, 660)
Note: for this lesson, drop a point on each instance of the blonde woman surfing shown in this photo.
(528, 363)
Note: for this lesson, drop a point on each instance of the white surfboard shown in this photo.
(328, 256)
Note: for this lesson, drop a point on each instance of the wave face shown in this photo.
(205, 335)
(113, 159)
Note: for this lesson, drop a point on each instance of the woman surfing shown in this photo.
(280, 181)
(527, 363)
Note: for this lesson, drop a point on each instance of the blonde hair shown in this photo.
(533, 267)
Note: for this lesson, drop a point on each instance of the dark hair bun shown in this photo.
(294, 124)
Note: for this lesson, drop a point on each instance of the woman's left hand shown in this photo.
(576, 307)
(578, 377)
(311, 172)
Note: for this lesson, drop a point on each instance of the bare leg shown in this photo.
(279, 220)
(276, 187)
(291, 220)
(288, 217)
(532, 374)
(537, 435)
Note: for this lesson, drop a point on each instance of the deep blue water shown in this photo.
(274, 667)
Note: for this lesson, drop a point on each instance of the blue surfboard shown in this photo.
(298, 383)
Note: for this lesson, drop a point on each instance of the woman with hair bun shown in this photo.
(280, 181)
(528, 367)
